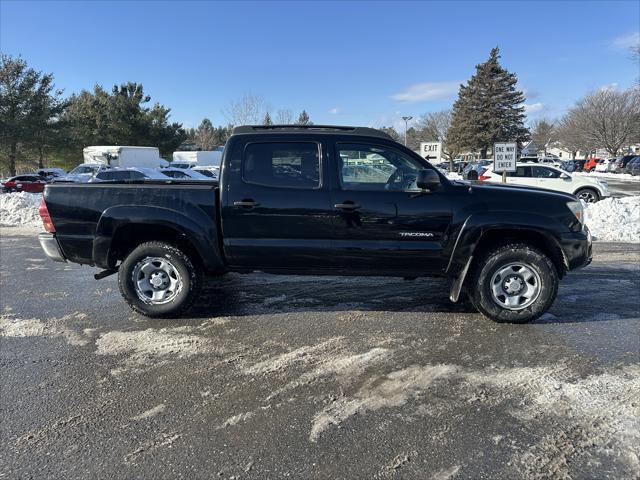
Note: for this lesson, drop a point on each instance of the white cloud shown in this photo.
(626, 41)
(533, 107)
(334, 111)
(422, 92)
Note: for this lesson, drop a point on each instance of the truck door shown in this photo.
(276, 212)
(382, 222)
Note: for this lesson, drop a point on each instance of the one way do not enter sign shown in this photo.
(504, 157)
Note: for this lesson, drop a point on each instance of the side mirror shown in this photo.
(427, 179)
(564, 176)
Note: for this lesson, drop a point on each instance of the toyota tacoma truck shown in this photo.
(320, 200)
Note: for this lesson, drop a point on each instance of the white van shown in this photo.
(122, 157)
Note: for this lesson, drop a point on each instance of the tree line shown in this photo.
(40, 127)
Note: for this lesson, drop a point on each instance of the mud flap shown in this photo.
(456, 286)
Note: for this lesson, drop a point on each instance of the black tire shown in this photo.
(516, 253)
(190, 276)
(589, 195)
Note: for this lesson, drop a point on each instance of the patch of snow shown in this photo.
(20, 209)
(53, 327)
(454, 176)
(152, 412)
(241, 417)
(300, 355)
(392, 390)
(615, 219)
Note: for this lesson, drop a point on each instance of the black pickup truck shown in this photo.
(320, 200)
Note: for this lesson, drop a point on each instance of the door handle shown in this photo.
(247, 203)
(347, 206)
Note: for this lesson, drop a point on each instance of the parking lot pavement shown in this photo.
(315, 377)
(622, 188)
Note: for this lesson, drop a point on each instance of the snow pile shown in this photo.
(20, 209)
(454, 176)
(616, 176)
(615, 219)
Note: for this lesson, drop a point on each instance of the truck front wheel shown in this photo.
(516, 283)
(159, 280)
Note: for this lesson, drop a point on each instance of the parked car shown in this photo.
(633, 166)
(284, 206)
(568, 166)
(51, 173)
(211, 172)
(82, 173)
(189, 173)
(548, 160)
(579, 165)
(621, 164)
(24, 183)
(474, 169)
(590, 165)
(588, 189)
(123, 174)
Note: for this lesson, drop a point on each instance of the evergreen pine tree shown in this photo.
(489, 109)
(267, 119)
(303, 118)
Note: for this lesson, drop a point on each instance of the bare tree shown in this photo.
(605, 118)
(543, 133)
(434, 127)
(284, 117)
(248, 110)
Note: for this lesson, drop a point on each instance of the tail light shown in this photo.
(482, 177)
(46, 218)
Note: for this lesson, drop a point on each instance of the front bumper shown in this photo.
(577, 248)
(49, 244)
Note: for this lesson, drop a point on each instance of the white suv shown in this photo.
(587, 189)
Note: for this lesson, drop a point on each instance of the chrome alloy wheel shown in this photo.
(515, 286)
(588, 196)
(156, 280)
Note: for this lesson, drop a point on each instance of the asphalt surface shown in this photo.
(622, 188)
(312, 377)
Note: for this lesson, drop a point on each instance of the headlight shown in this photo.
(577, 209)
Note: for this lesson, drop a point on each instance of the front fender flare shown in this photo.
(477, 225)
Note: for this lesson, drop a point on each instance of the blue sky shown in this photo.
(364, 62)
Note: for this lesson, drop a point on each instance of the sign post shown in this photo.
(431, 151)
(504, 158)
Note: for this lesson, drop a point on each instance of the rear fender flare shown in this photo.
(195, 224)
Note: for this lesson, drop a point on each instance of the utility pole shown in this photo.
(406, 124)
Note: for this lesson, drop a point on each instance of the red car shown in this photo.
(25, 183)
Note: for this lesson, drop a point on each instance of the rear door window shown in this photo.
(543, 172)
(282, 164)
(521, 172)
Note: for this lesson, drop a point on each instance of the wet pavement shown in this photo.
(315, 377)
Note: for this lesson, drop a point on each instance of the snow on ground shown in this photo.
(454, 176)
(20, 209)
(611, 220)
(615, 219)
(615, 176)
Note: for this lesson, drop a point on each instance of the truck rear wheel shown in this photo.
(516, 283)
(159, 280)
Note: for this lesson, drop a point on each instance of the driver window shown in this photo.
(368, 167)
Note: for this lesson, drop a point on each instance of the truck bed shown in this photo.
(89, 217)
